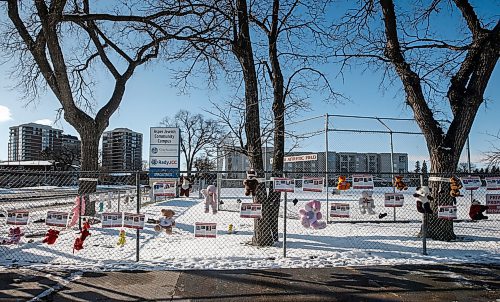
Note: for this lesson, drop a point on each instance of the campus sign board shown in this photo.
(164, 155)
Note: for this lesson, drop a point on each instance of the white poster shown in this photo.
(164, 162)
(205, 229)
(283, 184)
(492, 183)
(165, 188)
(56, 218)
(471, 182)
(17, 217)
(447, 212)
(362, 182)
(251, 210)
(340, 210)
(112, 219)
(164, 150)
(133, 220)
(313, 184)
(394, 200)
(493, 203)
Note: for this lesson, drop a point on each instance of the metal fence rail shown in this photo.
(42, 219)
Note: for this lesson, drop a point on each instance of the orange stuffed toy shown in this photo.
(399, 183)
(455, 185)
(343, 184)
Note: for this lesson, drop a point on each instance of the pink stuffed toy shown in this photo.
(210, 194)
(311, 215)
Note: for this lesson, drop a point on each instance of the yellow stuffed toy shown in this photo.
(121, 239)
(455, 185)
(399, 183)
(343, 184)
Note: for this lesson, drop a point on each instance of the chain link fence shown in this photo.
(45, 218)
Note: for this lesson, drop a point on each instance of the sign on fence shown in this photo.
(251, 210)
(283, 184)
(492, 183)
(165, 188)
(362, 182)
(493, 203)
(471, 182)
(340, 210)
(112, 219)
(164, 155)
(133, 220)
(56, 218)
(394, 200)
(17, 217)
(205, 229)
(313, 184)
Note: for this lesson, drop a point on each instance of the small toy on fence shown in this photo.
(166, 222)
(101, 206)
(399, 183)
(251, 183)
(366, 203)
(310, 216)
(78, 245)
(185, 186)
(343, 184)
(15, 235)
(476, 210)
(121, 238)
(455, 186)
(295, 201)
(422, 194)
(210, 194)
(230, 229)
(51, 236)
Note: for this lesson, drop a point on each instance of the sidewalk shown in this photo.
(468, 282)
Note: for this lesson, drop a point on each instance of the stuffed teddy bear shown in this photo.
(166, 222)
(250, 183)
(476, 210)
(51, 236)
(455, 185)
(399, 183)
(210, 194)
(185, 186)
(78, 245)
(343, 184)
(422, 194)
(121, 238)
(15, 235)
(366, 203)
(310, 216)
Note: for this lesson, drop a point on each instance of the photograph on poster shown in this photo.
(362, 182)
(251, 210)
(205, 229)
(17, 217)
(112, 219)
(165, 188)
(340, 210)
(447, 212)
(56, 218)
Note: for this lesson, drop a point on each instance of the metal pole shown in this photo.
(284, 225)
(469, 167)
(118, 200)
(424, 224)
(326, 168)
(138, 198)
(392, 175)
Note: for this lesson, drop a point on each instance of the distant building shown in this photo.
(27, 141)
(122, 150)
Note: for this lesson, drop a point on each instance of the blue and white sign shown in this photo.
(164, 156)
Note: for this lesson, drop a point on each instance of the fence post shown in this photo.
(326, 168)
(138, 198)
(284, 223)
(424, 224)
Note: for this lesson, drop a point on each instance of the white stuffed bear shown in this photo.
(210, 194)
(366, 203)
(423, 197)
(311, 215)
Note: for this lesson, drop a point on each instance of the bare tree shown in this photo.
(57, 43)
(434, 71)
(492, 157)
(197, 134)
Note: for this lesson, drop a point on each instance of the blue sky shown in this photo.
(149, 97)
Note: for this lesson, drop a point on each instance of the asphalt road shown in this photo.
(465, 282)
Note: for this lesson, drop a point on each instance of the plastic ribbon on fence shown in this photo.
(79, 204)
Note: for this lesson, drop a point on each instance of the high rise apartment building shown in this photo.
(122, 150)
(27, 141)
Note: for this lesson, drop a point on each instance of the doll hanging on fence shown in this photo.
(210, 194)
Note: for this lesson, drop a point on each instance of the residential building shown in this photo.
(27, 141)
(122, 150)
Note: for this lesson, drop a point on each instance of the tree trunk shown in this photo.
(443, 164)
(89, 168)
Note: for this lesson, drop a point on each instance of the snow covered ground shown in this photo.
(339, 244)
